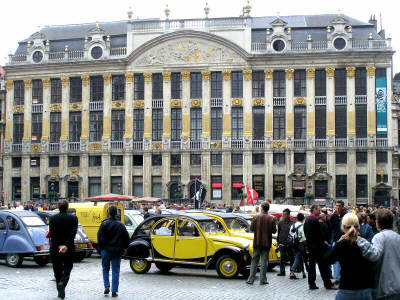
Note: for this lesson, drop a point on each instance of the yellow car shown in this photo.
(191, 240)
(239, 225)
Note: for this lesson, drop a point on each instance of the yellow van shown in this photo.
(91, 214)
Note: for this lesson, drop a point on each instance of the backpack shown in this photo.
(293, 237)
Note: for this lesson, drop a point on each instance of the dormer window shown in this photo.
(339, 43)
(37, 56)
(278, 45)
(96, 52)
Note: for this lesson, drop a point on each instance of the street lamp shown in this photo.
(52, 190)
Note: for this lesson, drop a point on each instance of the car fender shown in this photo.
(139, 249)
(228, 250)
(17, 244)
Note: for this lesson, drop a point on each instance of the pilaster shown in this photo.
(247, 109)
(63, 172)
(26, 140)
(310, 101)
(371, 175)
(269, 175)
(7, 179)
(148, 94)
(46, 114)
(269, 110)
(44, 170)
(227, 103)
(185, 171)
(25, 179)
(206, 173)
(289, 106)
(9, 123)
(371, 114)
(147, 180)
(166, 173)
(106, 173)
(247, 168)
(185, 111)
(351, 107)
(166, 110)
(107, 109)
(351, 177)
(289, 166)
(331, 169)
(227, 177)
(330, 105)
(128, 117)
(85, 107)
(127, 174)
(206, 115)
(65, 108)
(84, 173)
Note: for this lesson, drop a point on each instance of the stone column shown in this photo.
(127, 174)
(206, 172)
(7, 179)
(84, 173)
(46, 114)
(269, 175)
(206, 113)
(226, 138)
(166, 173)
(371, 115)
(248, 127)
(331, 169)
(330, 106)
(44, 170)
(289, 166)
(63, 171)
(128, 135)
(64, 113)
(371, 175)
(185, 117)
(147, 182)
(226, 178)
(289, 106)
(25, 178)
(310, 103)
(166, 167)
(107, 112)
(9, 130)
(26, 140)
(85, 108)
(269, 110)
(148, 95)
(351, 107)
(351, 177)
(106, 173)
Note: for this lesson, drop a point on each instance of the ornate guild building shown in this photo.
(298, 107)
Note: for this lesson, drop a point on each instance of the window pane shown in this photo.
(237, 84)
(195, 124)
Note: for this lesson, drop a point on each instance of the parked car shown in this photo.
(83, 246)
(190, 240)
(132, 219)
(23, 234)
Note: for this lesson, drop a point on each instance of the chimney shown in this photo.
(373, 21)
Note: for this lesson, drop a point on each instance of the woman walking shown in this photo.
(297, 231)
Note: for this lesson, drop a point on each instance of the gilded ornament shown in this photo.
(138, 103)
(95, 146)
(176, 103)
(258, 102)
(351, 71)
(129, 77)
(289, 73)
(18, 109)
(279, 144)
(196, 102)
(74, 171)
(166, 76)
(310, 72)
(157, 146)
(226, 74)
(215, 145)
(330, 72)
(46, 82)
(107, 78)
(28, 83)
(371, 70)
(9, 84)
(55, 107)
(206, 75)
(36, 148)
(300, 101)
(185, 75)
(65, 81)
(269, 73)
(148, 77)
(75, 106)
(85, 79)
(247, 74)
(54, 171)
(118, 104)
(237, 101)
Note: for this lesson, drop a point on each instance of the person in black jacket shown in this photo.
(317, 248)
(336, 223)
(113, 239)
(62, 229)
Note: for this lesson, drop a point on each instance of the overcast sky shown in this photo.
(20, 18)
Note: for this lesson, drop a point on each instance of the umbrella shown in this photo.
(147, 200)
(111, 197)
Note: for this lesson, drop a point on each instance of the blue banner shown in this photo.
(381, 106)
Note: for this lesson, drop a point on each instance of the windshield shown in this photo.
(138, 219)
(211, 226)
(235, 224)
(32, 221)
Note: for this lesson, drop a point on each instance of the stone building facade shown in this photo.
(286, 105)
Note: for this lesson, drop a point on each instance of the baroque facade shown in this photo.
(287, 105)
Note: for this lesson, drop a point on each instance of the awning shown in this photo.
(237, 184)
(216, 185)
(298, 184)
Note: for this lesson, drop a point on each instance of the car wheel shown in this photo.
(139, 266)
(79, 256)
(164, 267)
(42, 260)
(227, 267)
(14, 260)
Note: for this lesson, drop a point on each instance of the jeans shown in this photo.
(286, 255)
(298, 259)
(108, 258)
(264, 253)
(354, 294)
(336, 271)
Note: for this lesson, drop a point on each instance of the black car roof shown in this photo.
(22, 213)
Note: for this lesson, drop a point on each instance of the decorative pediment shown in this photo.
(278, 22)
(38, 36)
(96, 30)
(184, 51)
(339, 20)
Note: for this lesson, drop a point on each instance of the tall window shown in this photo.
(176, 124)
(237, 182)
(37, 91)
(279, 158)
(340, 82)
(300, 122)
(237, 159)
(176, 86)
(137, 183)
(216, 159)
(96, 126)
(95, 161)
(320, 122)
(361, 81)
(116, 185)
(56, 94)
(118, 87)
(138, 124)
(216, 123)
(341, 121)
(362, 186)
(258, 84)
(300, 158)
(195, 159)
(156, 160)
(73, 161)
(258, 158)
(75, 128)
(36, 128)
(258, 123)
(300, 88)
(157, 86)
(94, 186)
(55, 127)
(176, 160)
(75, 89)
(18, 128)
(216, 85)
(279, 186)
(19, 92)
(195, 123)
(96, 88)
(157, 124)
(195, 85)
(361, 157)
(156, 186)
(320, 83)
(237, 123)
(54, 161)
(139, 87)
(320, 158)
(361, 120)
(237, 84)
(216, 187)
(279, 84)
(117, 125)
(279, 122)
(117, 160)
(341, 158)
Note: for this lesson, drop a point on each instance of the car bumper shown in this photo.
(41, 253)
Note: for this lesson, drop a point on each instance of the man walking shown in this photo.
(263, 226)
(316, 248)
(113, 239)
(336, 224)
(62, 229)
(286, 250)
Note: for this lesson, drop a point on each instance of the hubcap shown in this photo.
(13, 259)
(139, 263)
(228, 267)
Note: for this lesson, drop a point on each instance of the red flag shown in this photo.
(251, 195)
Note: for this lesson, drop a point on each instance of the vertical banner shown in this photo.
(381, 106)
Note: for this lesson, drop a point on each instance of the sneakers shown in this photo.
(114, 294)
(107, 290)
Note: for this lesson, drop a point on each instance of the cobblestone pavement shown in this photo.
(33, 282)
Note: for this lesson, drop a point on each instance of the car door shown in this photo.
(3, 232)
(163, 239)
(190, 243)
